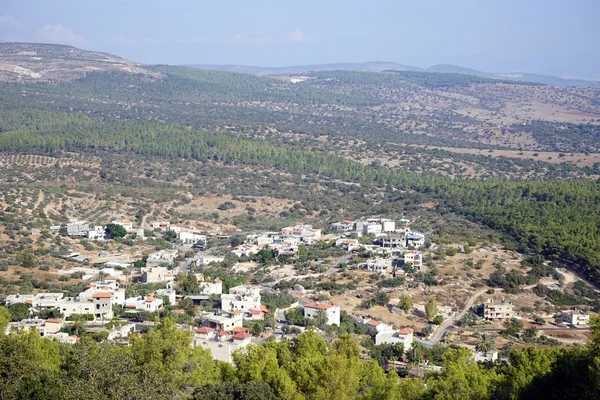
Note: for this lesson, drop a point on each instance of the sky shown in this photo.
(555, 37)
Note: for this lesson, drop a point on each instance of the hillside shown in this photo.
(380, 131)
(37, 62)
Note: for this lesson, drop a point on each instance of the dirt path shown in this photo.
(441, 330)
(40, 199)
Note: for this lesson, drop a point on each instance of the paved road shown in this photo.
(441, 330)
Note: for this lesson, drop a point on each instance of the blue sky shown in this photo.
(544, 36)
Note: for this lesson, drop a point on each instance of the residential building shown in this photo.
(344, 226)
(388, 225)
(332, 312)
(168, 293)
(348, 244)
(576, 317)
(157, 275)
(246, 250)
(121, 332)
(372, 228)
(415, 258)
(373, 326)
(214, 287)
(241, 298)
(141, 303)
(223, 321)
(77, 228)
(96, 233)
(498, 312)
(125, 223)
(190, 237)
(486, 356)
(161, 257)
(415, 239)
(302, 232)
(46, 328)
(393, 241)
(380, 265)
(403, 336)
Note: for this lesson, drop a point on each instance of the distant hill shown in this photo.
(39, 62)
(379, 66)
(372, 66)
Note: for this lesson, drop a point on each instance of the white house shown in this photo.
(168, 293)
(214, 287)
(486, 356)
(576, 317)
(344, 226)
(388, 225)
(96, 233)
(303, 232)
(348, 244)
(190, 237)
(373, 326)
(380, 265)
(404, 336)
(125, 223)
(242, 298)
(311, 310)
(148, 303)
(415, 239)
(162, 257)
(223, 321)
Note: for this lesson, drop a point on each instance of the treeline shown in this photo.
(565, 137)
(183, 84)
(559, 219)
(430, 80)
(161, 364)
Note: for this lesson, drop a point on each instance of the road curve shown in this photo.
(444, 327)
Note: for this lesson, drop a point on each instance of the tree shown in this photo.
(431, 308)
(405, 303)
(438, 319)
(116, 230)
(26, 258)
(461, 378)
(4, 318)
(256, 390)
(381, 299)
(320, 318)
(485, 344)
(19, 311)
(530, 333)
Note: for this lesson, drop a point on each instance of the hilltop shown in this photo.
(39, 62)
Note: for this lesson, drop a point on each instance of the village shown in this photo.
(375, 277)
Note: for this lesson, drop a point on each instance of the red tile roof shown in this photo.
(264, 309)
(238, 329)
(54, 321)
(205, 329)
(372, 322)
(405, 331)
(242, 335)
(102, 295)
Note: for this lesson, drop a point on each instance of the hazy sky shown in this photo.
(545, 36)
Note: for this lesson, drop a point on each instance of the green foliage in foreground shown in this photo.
(161, 364)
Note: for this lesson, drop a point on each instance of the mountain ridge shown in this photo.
(382, 66)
